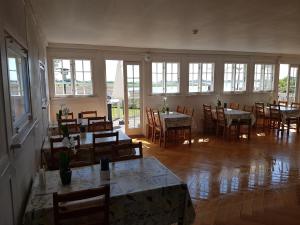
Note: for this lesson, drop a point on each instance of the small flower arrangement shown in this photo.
(165, 107)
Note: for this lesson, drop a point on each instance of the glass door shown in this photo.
(288, 83)
(132, 94)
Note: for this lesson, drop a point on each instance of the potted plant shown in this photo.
(65, 171)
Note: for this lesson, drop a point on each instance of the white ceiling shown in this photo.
(271, 26)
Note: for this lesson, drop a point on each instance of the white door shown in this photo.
(288, 83)
(132, 97)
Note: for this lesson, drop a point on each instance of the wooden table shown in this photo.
(142, 191)
(176, 121)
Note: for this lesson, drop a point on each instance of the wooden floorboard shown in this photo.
(241, 182)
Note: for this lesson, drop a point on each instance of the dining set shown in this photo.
(133, 190)
(169, 125)
(236, 121)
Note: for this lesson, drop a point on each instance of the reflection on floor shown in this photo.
(239, 182)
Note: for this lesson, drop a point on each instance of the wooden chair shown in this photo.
(295, 105)
(293, 120)
(261, 118)
(96, 123)
(127, 151)
(87, 114)
(275, 119)
(233, 105)
(244, 127)
(222, 123)
(100, 126)
(248, 108)
(189, 111)
(208, 121)
(77, 207)
(71, 124)
(158, 130)
(104, 148)
(150, 124)
(283, 103)
(70, 115)
(180, 109)
(52, 160)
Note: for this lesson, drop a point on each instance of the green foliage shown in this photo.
(282, 86)
(65, 131)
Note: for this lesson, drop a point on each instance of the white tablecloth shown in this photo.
(286, 112)
(233, 114)
(174, 119)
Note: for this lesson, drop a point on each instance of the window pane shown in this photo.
(263, 77)
(157, 78)
(172, 84)
(62, 74)
(78, 65)
(86, 65)
(18, 84)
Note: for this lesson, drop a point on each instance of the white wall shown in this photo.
(98, 55)
(18, 165)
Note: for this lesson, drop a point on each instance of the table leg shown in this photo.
(165, 138)
(190, 136)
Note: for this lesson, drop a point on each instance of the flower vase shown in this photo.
(65, 176)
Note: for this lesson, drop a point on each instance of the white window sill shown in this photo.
(19, 138)
(59, 97)
(234, 92)
(200, 93)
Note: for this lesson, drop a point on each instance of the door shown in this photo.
(288, 83)
(132, 97)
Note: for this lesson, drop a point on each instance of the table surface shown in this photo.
(235, 112)
(135, 181)
(87, 139)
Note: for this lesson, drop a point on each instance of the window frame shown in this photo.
(262, 80)
(233, 80)
(200, 79)
(73, 77)
(13, 47)
(164, 78)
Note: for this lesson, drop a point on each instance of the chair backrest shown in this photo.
(275, 112)
(220, 115)
(259, 109)
(70, 115)
(233, 105)
(71, 124)
(100, 126)
(180, 109)
(156, 116)
(96, 119)
(149, 116)
(55, 151)
(189, 111)
(295, 105)
(248, 108)
(87, 114)
(98, 205)
(127, 151)
(207, 112)
(283, 103)
(114, 136)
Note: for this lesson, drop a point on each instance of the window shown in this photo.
(201, 77)
(165, 77)
(264, 77)
(235, 77)
(19, 84)
(72, 77)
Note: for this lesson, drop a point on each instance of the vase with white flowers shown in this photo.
(64, 157)
(165, 107)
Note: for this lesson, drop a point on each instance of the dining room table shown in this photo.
(86, 139)
(232, 115)
(142, 191)
(286, 112)
(176, 121)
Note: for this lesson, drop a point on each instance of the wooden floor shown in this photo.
(238, 182)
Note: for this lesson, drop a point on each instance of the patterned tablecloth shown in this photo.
(286, 112)
(174, 119)
(143, 191)
(233, 114)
